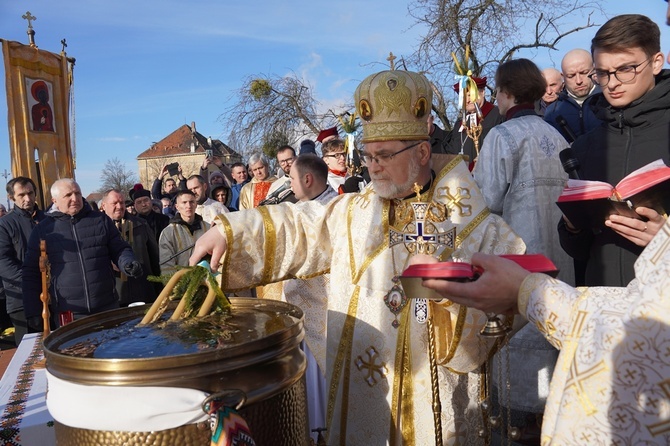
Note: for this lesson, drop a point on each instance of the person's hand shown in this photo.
(133, 269)
(637, 231)
(206, 163)
(212, 243)
(164, 172)
(180, 175)
(495, 291)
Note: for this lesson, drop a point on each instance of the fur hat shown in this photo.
(394, 105)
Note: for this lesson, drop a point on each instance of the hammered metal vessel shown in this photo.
(269, 370)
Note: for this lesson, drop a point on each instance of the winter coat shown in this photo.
(81, 250)
(15, 229)
(633, 137)
(579, 119)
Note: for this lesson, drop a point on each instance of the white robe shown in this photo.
(611, 384)
(379, 377)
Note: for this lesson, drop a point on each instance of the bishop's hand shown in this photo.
(211, 243)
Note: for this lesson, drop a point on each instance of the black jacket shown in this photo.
(157, 222)
(157, 190)
(15, 229)
(145, 249)
(577, 119)
(633, 137)
(81, 250)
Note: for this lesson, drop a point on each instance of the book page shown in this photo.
(643, 178)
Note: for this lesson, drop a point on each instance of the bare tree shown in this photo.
(115, 175)
(267, 107)
(494, 30)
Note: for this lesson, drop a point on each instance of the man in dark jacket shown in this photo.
(573, 114)
(143, 206)
(635, 104)
(81, 245)
(15, 229)
(137, 233)
(167, 187)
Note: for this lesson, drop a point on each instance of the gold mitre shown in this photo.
(394, 105)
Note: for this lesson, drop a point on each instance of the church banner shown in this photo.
(38, 101)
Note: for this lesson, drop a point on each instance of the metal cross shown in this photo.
(371, 366)
(29, 17)
(391, 60)
(421, 236)
(64, 43)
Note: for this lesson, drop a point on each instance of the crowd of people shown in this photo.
(384, 367)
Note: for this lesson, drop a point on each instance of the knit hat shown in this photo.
(307, 146)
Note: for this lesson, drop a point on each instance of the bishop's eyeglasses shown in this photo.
(625, 74)
(383, 159)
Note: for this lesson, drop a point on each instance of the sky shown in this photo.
(144, 68)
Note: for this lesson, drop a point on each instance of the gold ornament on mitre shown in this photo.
(394, 105)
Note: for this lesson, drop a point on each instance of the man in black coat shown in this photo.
(81, 245)
(139, 235)
(143, 206)
(15, 229)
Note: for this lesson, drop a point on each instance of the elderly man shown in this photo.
(15, 229)
(459, 141)
(255, 191)
(144, 208)
(184, 229)
(571, 114)
(373, 340)
(139, 235)
(207, 208)
(554, 80)
(81, 245)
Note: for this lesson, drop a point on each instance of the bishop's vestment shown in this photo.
(378, 376)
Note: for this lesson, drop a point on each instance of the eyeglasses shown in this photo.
(384, 159)
(336, 155)
(624, 74)
(286, 161)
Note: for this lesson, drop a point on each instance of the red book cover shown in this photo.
(535, 263)
(589, 203)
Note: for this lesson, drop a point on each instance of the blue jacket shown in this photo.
(15, 229)
(81, 249)
(579, 119)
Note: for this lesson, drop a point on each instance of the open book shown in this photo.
(535, 263)
(587, 204)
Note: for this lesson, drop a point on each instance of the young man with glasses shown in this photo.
(366, 333)
(336, 160)
(285, 158)
(635, 105)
